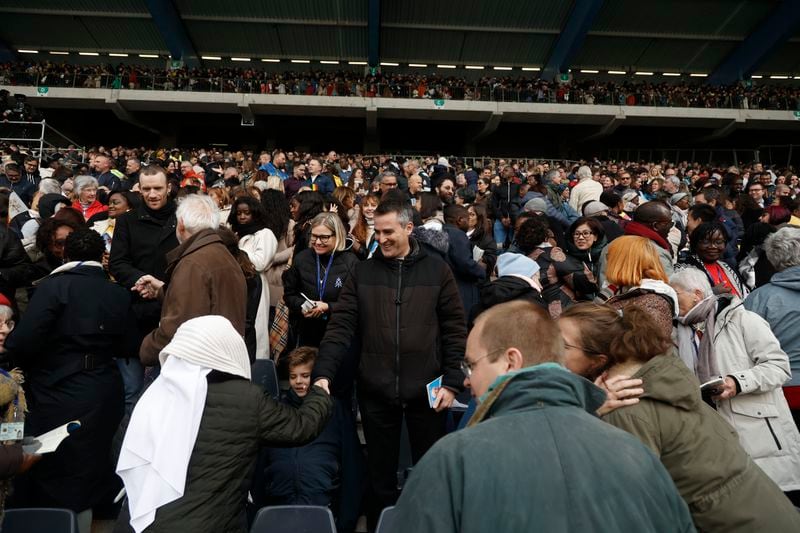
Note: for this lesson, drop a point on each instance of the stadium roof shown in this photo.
(726, 39)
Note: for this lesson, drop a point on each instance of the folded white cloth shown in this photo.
(164, 424)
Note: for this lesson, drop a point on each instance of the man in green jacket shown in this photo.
(534, 456)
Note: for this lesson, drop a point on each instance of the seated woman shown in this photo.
(724, 489)
(191, 445)
(634, 276)
(739, 345)
(707, 244)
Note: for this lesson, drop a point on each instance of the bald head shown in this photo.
(650, 212)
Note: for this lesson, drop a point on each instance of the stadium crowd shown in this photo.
(598, 345)
(395, 85)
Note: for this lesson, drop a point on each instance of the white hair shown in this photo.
(81, 182)
(584, 172)
(197, 212)
(691, 279)
(6, 312)
(783, 248)
(49, 186)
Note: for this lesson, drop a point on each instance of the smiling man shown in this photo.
(405, 307)
(535, 457)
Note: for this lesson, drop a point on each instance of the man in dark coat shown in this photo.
(535, 457)
(469, 273)
(404, 305)
(16, 269)
(75, 324)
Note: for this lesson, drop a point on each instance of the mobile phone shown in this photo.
(307, 306)
(713, 386)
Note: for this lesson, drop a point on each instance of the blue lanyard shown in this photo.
(321, 282)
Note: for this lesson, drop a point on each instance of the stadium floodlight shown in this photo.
(671, 74)
(54, 53)
(211, 58)
(117, 54)
(698, 75)
(473, 67)
(327, 62)
(301, 61)
(357, 63)
(642, 73)
(779, 77)
(389, 64)
(620, 72)
(589, 71)
(445, 66)
(28, 51)
(148, 56)
(88, 54)
(531, 69)
(418, 65)
(241, 59)
(502, 68)
(270, 60)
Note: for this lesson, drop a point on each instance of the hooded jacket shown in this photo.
(411, 325)
(778, 302)
(724, 488)
(566, 470)
(747, 350)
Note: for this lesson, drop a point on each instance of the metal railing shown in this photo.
(42, 138)
(598, 95)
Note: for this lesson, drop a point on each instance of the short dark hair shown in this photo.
(403, 211)
(595, 225)
(84, 244)
(610, 198)
(703, 212)
(301, 356)
(710, 194)
(532, 233)
(454, 212)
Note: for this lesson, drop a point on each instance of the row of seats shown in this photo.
(278, 519)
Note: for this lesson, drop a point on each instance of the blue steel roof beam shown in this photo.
(770, 34)
(374, 33)
(171, 27)
(572, 36)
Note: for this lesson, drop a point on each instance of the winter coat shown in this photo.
(562, 278)
(16, 269)
(468, 273)
(501, 198)
(305, 475)
(203, 278)
(93, 209)
(322, 184)
(238, 418)
(724, 488)
(778, 302)
(280, 263)
(588, 189)
(505, 289)
(75, 324)
(566, 471)
(411, 325)
(591, 260)
(747, 350)
(301, 277)
(260, 248)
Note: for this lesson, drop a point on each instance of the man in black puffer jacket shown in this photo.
(406, 306)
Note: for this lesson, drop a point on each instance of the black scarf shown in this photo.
(242, 230)
(162, 214)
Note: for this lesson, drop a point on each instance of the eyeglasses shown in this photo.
(323, 239)
(581, 348)
(717, 243)
(467, 366)
(7, 323)
(582, 234)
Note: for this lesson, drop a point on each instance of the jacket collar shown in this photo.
(192, 244)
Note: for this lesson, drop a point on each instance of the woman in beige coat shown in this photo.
(739, 346)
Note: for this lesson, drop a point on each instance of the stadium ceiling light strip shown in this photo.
(54, 53)
(473, 67)
(642, 73)
(502, 68)
(326, 62)
(756, 76)
(148, 56)
(672, 74)
(211, 58)
(389, 64)
(88, 54)
(698, 75)
(28, 51)
(117, 54)
(621, 72)
(270, 60)
(417, 65)
(301, 61)
(241, 59)
(531, 69)
(445, 66)
(779, 77)
(357, 62)
(589, 71)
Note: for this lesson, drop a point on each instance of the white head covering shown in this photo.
(164, 424)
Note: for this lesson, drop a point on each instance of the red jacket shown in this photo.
(94, 208)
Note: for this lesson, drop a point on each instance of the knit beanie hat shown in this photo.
(536, 205)
(510, 264)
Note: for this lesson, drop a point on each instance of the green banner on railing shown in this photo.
(42, 91)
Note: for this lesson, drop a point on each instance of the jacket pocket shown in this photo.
(758, 426)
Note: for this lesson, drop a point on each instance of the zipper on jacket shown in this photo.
(772, 432)
(397, 302)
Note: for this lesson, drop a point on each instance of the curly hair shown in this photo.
(532, 233)
(276, 212)
(704, 231)
(84, 245)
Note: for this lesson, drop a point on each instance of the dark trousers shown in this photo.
(382, 422)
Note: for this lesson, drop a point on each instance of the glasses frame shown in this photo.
(466, 367)
(323, 239)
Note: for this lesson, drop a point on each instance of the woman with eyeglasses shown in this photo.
(585, 242)
(707, 244)
(724, 489)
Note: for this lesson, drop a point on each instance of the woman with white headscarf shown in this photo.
(190, 448)
(718, 338)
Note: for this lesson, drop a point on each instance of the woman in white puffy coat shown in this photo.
(247, 220)
(743, 350)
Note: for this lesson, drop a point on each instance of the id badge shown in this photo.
(12, 431)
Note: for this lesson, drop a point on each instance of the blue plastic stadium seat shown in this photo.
(49, 520)
(293, 519)
(265, 375)
(386, 522)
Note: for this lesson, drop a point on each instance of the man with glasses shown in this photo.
(12, 180)
(403, 309)
(757, 192)
(31, 173)
(535, 457)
